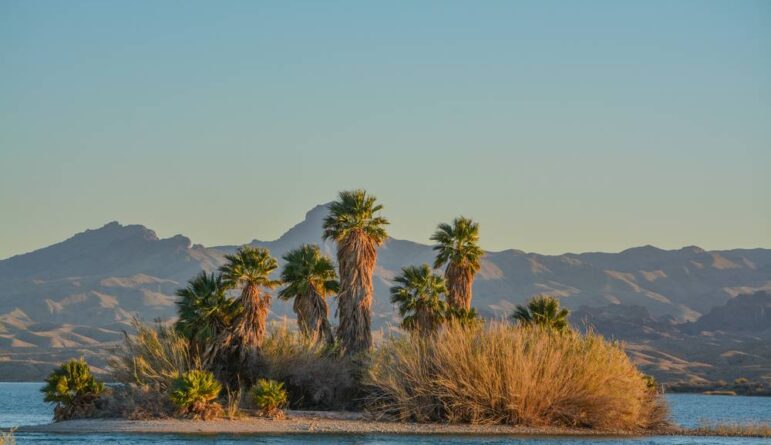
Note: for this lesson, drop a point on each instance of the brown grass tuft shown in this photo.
(7, 437)
(314, 374)
(154, 356)
(731, 430)
(500, 374)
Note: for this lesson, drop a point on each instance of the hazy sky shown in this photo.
(560, 126)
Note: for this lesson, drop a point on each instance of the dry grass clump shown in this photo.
(731, 430)
(7, 438)
(136, 402)
(501, 374)
(314, 374)
(146, 365)
(154, 356)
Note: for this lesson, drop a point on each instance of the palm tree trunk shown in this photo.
(313, 316)
(459, 284)
(356, 256)
(241, 344)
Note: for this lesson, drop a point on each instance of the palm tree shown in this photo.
(249, 269)
(352, 223)
(418, 293)
(456, 246)
(310, 277)
(543, 310)
(204, 309)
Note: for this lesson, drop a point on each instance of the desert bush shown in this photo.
(270, 398)
(73, 389)
(154, 356)
(194, 394)
(501, 374)
(233, 403)
(314, 374)
(7, 437)
(136, 402)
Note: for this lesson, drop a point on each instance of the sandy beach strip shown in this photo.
(298, 422)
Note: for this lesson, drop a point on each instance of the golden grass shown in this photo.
(154, 356)
(731, 430)
(314, 373)
(7, 437)
(501, 374)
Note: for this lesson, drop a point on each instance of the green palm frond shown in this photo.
(418, 293)
(355, 210)
(543, 310)
(204, 309)
(458, 244)
(306, 267)
(249, 266)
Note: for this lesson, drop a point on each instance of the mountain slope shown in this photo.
(82, 292)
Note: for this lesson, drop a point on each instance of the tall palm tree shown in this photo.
(354, 225)
(418, 293)
(309, 277)
(542, 310)
(457, 247)
(204, 309)
(249, 269)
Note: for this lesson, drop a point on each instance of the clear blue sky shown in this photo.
(560, 126)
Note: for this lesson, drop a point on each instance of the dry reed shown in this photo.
(501, 374)
(154, 356)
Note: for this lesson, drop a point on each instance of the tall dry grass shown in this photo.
(146, 364)
(7, 437)
(154, 356)
(315, 374)
(501, 374)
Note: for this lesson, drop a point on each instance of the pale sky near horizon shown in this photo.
(560, 126)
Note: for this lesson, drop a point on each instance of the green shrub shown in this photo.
(194, 394)
(270, 397)
(502, 374)
(73, 389)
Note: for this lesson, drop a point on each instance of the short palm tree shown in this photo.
(543, 310)
(418, 293)
(309, 277)
(204, 309)
(353, 223)
(249, 269)
(457, 247)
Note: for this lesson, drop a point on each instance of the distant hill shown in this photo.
(76, 296)
(731, 341)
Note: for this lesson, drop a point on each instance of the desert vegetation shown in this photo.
(501, 374)
(195, 394)
(732, 430)
(7, 438)
(447, 365)
(73, 390)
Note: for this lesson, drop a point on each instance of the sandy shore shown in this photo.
(298, 422)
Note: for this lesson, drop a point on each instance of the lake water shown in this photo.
(22, 404)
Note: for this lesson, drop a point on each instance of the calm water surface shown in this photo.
(22, 404)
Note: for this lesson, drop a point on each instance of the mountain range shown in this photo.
(76, 297)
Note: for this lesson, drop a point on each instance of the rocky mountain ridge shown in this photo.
(79, 294)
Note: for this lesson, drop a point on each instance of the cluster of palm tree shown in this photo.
(418, 291)
(229, 332)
